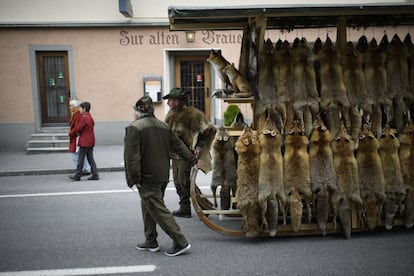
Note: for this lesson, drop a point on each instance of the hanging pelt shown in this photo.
(224, 168)
(333, 92)
(376, 85)
(297, 175)
(271, 193)
(371, 179)
(409, 97)
(248, 150)
(346, 168)
(283, 81)
(304, 90)
(354, 80)
(394, 185)
(407, 164)
(397, 78)
(322, 172)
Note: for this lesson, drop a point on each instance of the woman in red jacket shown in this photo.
(86, 142)
(74, 120)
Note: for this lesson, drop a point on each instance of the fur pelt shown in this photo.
(270, 183)
(296, 173)
(224, 168)
(322, 171)
(394, 185)
(282, 74)
(354, 80)
(376, 85)
(371, 178)
(397, 78)
(334, 100)
(407, 164)
(304, 92)
(248, 162)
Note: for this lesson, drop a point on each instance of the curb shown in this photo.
(54, 171)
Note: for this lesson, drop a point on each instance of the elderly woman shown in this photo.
(73, 148)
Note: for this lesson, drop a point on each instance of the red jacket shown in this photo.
(85, 131)
(76, 116)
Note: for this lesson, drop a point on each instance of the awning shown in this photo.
(290, 17)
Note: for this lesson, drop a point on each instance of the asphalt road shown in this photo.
(58, 227)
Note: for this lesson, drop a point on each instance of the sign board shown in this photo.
(153, 87)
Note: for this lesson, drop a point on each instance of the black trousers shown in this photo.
(88, 152)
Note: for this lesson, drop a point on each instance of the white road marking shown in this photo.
(80, 193)
(83, 271)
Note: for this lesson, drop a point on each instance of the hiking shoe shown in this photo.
(177, 250)
(181, 213)
(93, 177)
(74, 177)
(147, 247)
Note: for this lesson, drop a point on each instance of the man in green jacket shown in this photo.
(149, 144)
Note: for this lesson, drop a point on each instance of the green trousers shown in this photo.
(155, 212)
(181, 174)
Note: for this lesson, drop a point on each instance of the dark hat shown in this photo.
(176, 93)
(144, 105)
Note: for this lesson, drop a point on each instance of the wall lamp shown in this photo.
(190, 35)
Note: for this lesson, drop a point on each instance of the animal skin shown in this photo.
(376, 85)
(394, 185)
(334, 100)
(407, 164)
(224, 168)
(282, 75)
(371, 177)
(354, 80)
(346, 169)
(397, 78)
(304, 92)
(219, 63)
(270, 183)
(322, 171)
(409, 97)
(241, 86)
(297, 174)
(248, 150)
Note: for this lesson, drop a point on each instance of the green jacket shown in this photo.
(148, 146)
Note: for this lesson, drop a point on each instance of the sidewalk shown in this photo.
(107, 158)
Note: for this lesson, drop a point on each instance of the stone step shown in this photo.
(46, 149)
(49, 136)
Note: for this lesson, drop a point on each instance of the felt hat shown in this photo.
(176, 93)
(144, 105)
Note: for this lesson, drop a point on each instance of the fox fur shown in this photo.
(296, 173)
(354, 80)
(219, 63)
(376, 85)
(334, 100)
(322, 171)
(241, 86)
(224, 168)
(282, 74)
(304, 90)
(406, 155)
(248, 149)
(270, 183)
(397, 78)
(394, 185)
(371, 177)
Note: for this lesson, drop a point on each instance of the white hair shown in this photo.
(74, 103)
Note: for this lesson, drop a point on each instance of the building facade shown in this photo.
(55, 51)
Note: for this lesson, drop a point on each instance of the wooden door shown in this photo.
(193, 74)
(54, 91)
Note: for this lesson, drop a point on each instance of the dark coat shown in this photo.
(149, 143)
(85, 131)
